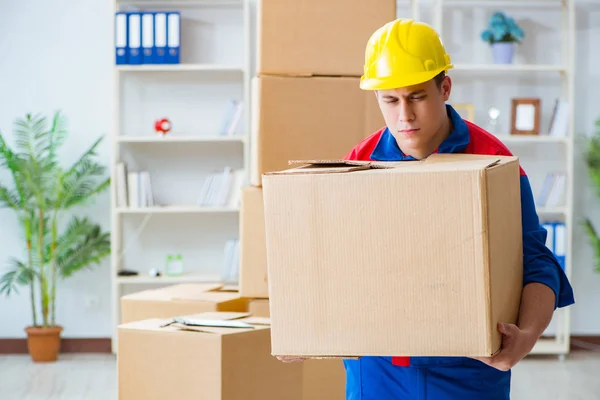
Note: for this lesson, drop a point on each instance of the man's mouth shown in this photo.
(408, 131)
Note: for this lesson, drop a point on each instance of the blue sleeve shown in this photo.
(539, 263)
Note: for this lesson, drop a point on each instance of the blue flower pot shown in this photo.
(503, 52)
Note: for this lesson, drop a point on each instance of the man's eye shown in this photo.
(417, 98)
(391, 101)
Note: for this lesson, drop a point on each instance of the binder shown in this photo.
(173, 37)
(160, 38)
(121, 38)
(560, 243)
(148, 38)
(134, 28)
(550, 237)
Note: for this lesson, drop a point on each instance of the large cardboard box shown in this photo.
(418, 258)
(161, 361)
(182, 299)
(317, 37)
(253, 249)
(308, 117)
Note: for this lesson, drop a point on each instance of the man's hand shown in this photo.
(516, 344)
(287, 359)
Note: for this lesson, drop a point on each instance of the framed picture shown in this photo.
(466, 111)
(525, 118)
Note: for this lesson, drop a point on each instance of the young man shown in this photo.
(405, 66)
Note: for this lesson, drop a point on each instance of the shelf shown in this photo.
(142, 279)
(548, 346)
(551, 210)
(170, 138)
(179, 3)
(507, 139)
(179, 68)
(508, 68)
(500, 3)
(177, 210)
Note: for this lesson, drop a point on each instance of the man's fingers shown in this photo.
(508, 329)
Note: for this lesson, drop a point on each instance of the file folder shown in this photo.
(148, 38)
(160, 38)
(560, 243)
(134, 25)
(173, 37)
(121, 38)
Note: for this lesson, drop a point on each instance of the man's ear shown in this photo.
(446, 87)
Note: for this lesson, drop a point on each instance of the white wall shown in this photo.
(57, 55)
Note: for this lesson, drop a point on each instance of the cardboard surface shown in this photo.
(423, 258)
(182, 299)
(317, 37)
(175, 362)
(308, 117)
(253, 249)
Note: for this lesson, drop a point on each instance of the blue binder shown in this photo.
(173, 37)
(560, 243)
(160, 38)
(134, 30)
(148, 38)
(121, 38)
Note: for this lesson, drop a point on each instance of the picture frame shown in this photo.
(466, 111)
(525, 116)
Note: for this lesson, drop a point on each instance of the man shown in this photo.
(406, 65)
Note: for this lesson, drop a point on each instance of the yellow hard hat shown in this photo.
(403, 53)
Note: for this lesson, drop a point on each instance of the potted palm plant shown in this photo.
(41, 194)
(592, 161)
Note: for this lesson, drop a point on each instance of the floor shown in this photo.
(93, 377)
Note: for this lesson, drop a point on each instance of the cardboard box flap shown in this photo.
(219, 324)
(215, 297)
(328, 167)
(473, 161)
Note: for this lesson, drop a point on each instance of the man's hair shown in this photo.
(439, 78)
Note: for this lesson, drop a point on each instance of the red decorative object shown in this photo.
(162, 126)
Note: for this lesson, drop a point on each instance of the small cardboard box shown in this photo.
(306, 117)
(253, 247)
(210, 362)
(419, 258)
(317, 37)
(182, 299)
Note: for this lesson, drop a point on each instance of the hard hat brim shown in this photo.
(398, 82)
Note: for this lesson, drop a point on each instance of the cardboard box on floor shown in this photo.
(253, 249)
(203, 362)
(308, 117)
(182, 299)
(317, 37)
(418, 258)
(322, 378)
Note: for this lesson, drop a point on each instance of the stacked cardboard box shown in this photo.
(306, 104)
(159, 357)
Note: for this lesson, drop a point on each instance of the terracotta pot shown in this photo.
(43, 343)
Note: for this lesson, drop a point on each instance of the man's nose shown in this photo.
(406, 113)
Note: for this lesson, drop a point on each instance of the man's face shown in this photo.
(416, 116)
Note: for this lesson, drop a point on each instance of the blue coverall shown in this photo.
(454, 378)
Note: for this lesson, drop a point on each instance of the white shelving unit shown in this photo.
(194, 95)
(440, 11)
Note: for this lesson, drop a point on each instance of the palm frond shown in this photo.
(18, 275)
(82, 182)
(9, 198)
(16, 165)
(82, 247)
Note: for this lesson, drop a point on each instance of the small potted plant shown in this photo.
(502, 35)
(41, 194)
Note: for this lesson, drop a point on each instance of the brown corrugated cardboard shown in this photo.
(259, 307)
(308, 117)
(323, 379)
(183, 299)
(202, 362)
(253, 250)
(317, 37)
(415, 258)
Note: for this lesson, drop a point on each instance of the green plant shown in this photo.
(502, 29)
(592, 161)
(41, 193)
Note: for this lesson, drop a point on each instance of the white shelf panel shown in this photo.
(179, 3)
(551, 210)
(548, 346)
(180, 68)
(181, 139)
(177, 210)
(507, 139)
(141, 279)
(508, 68)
